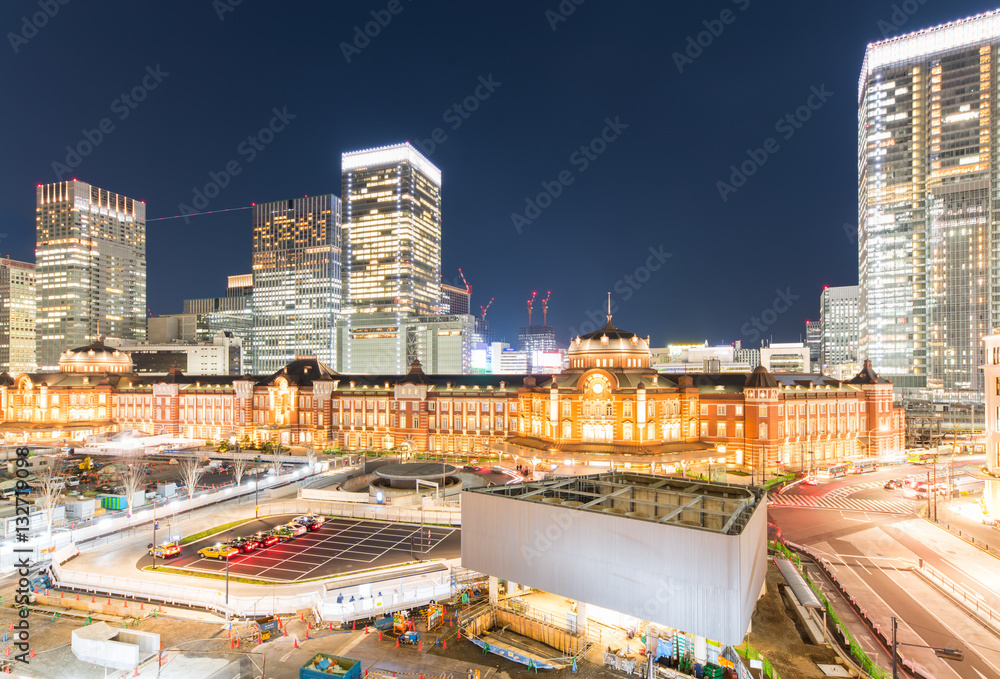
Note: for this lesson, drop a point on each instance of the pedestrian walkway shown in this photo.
(831, 501)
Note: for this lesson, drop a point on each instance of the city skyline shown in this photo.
(460, 97)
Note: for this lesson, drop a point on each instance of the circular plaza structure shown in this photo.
(402, 478)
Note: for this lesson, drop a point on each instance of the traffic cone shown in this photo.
(366, 629)
(109, 601)
(62, 595)
(444, 645)
(458, 634)
(229, 633)
(379, 635)
(6, 652)
(309, 624)
(136, 671)
(307, 634)
(295, 640)
(77, 596)
(32, 653)
(354, 625)
(286, 632)
(93, 600)
(331, 626)
(142, 606)
(303, 618)
(397, 642)
(420, 646)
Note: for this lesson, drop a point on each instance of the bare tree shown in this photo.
(311, 457)
(49, 488)
(132, 476)
(276, 463)
(240, 464)
(191, 470)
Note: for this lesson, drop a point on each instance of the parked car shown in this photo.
(166, 550)
(219, 551)
(283, 533)
(247, 545)
(265, 538)
(296, 528)
(311, 521)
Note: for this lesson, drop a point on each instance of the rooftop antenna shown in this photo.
(545, 308)
(609, 308)
(531, 303)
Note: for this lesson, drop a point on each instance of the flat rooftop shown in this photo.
(716, 507)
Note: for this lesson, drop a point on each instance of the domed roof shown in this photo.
(609, 338)
(96, 357)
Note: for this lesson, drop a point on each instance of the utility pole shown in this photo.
(895, 675)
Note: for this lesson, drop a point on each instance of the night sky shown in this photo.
(211, 75)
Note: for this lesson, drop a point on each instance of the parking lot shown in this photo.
(341, 545)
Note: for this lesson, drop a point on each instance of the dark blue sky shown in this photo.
(652, 189)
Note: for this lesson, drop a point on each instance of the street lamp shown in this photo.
(946, 653)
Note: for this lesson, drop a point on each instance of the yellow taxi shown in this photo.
(166, 550)
(219, 551)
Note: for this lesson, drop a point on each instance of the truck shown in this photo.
(323, 666)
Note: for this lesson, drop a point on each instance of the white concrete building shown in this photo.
(221, 356)
(789, 357)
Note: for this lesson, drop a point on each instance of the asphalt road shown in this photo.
(342, 545)
(866, 549)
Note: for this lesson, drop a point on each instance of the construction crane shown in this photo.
(545, 308)
(468, 288)
(150, 312)
(531, 303)
(484, 309)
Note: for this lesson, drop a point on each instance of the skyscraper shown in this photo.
(926, 216)
(814, 339)
(91, 268)
(17, 316)
(296, 280)
(392, 231)
(838, 309)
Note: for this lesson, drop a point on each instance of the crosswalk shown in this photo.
(838, 498)
(843, 503)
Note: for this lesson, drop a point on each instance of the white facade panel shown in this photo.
(698, 581)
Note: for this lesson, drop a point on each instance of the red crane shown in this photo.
(545, 308)
(468, 288)
(531, 303)
(484, 309)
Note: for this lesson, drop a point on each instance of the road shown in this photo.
(871, 550)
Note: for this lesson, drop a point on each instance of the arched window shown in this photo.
(627, 431)
(609, 410)
(566, 430)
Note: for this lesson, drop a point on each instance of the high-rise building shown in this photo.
(392, 231)
(455, 300)
(17, 316)
(296, 280)
(90, 268)
(926, 182)
(204, 318)
(838, 308)
(388, 344)
(814, 339)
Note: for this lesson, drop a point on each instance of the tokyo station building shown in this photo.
(608, 408)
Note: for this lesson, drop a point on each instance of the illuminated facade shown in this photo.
(91, 268)
(231, 314)
(392, 231)
(609, 407)
(296, 280)
(17, 316)
(387, 344)
(926, 215)
(838, 308)
(455, 300)
(991, 374)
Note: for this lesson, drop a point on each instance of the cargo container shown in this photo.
(113, 502)
(81, 509)
(323, 666)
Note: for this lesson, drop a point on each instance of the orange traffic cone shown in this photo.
(109, 601)
(62, 595)
(309, 624)
(93, 600)
(354, 625)
(331, 626)
(420, 646)
(32, 653)
(380, 635)
(303, 618)
(142, 606)
(295, 641)
(444, 644)
(136, 671)
(6, 652)
(397, 642)
(366, 629)
(229, 633)
(307, 634)
(458, 634)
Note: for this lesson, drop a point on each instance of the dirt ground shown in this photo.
(776, 633)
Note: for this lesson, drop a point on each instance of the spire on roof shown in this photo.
(609, 308)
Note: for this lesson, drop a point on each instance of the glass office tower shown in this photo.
(392, 231)
(90, 268)
(296, 281)
(929, 276)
